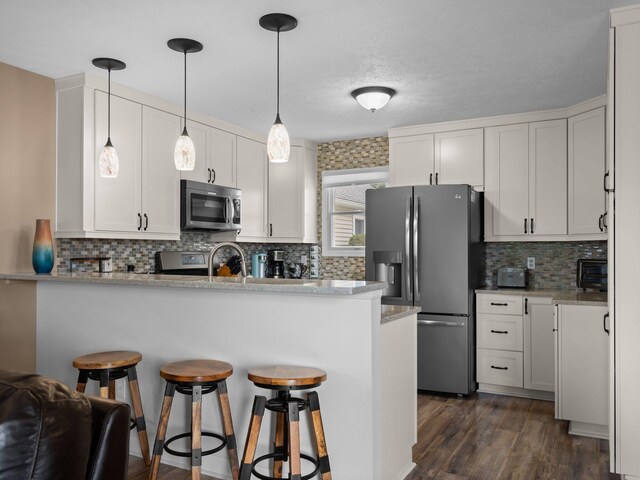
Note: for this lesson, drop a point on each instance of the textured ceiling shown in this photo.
(448, 59)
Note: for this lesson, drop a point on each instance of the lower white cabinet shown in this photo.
(538, 344)
(582, 369)
(500, 367)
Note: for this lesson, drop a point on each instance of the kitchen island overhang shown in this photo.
(332, 325)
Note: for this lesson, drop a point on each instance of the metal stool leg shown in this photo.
(83, 376)
(318, 431)
(294, 440)
(259, 403)
(225, 410)
(162, 430)
(104, 383)
(141, 425)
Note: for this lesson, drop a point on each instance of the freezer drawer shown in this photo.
(444, 357)
(500, 368)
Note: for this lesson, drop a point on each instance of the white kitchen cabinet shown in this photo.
(586, 168)
(526, 180)
(292, 197)
(252, 177)
(582, 369)
(215, 155)
(539, 373)
(455, 157)
(411, 160)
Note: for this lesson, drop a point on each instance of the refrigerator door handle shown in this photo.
(416, 273)
(440, 323)
(406, 265)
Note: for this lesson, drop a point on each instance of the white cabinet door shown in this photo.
(117, 200)
(459, 157)
(507, 180)
(538, 344)
(161, 180)
(252, 180)
(548, 177)
(586, 170)
(223, 158)
(411, 160)
(286, 188)
(583, 365)
(201, 136)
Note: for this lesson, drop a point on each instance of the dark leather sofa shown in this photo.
(50, 432)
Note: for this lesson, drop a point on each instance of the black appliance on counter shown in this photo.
(592, 273)
(275, 264)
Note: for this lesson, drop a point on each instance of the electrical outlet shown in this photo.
(120, 390)
(531, 263)
(303, 259)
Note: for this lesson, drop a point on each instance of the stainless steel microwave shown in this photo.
(204, 206)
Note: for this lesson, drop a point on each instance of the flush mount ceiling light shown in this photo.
(373, 98)
(109, 163)
(184, 155)
(278, 146)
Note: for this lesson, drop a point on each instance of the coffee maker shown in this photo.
(275, 266)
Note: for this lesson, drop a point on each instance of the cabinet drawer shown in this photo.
(500, 304)
(500, 368)
(502, 332)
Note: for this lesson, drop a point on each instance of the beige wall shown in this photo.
(27, 192)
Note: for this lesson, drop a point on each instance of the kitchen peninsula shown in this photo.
(368, 351)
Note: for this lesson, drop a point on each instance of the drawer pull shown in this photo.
(495, 304)
(499, 368)
(499, 331)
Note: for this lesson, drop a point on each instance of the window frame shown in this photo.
(340, 178)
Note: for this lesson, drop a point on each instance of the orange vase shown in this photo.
(42, 258)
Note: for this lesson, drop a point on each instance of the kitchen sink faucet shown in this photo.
(233, 246)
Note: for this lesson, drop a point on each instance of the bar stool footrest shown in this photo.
(280, 456)
(222, 439)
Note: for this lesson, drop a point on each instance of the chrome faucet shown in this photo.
(233, 246)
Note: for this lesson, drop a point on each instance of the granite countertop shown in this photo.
(395, 312)
(559, 296)
(265, 285)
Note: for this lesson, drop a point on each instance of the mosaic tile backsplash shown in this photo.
(556, 262)
(140, 253)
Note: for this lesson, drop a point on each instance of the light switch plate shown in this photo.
(531, 263)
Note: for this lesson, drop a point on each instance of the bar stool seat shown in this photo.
(196, 378)
(284, 379)
(107, 367)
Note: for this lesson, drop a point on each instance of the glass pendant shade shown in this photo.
(184, 155)
(109, 163)
(278, 146)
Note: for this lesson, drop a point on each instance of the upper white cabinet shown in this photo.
(292, 197)
(252, 180)
(526, 180)
(455, 157)
(586, 170)
(215, 155)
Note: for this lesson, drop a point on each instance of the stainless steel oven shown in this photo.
(204, 206)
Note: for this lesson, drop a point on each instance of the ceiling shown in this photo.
(448, 59)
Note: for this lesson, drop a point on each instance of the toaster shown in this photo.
(511, 277)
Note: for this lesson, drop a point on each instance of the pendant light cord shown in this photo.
(185, 89)
(109, 106)
(278, 76)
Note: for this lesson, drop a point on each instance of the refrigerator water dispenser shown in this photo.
(388, 268)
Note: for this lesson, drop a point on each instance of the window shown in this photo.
(343, 209)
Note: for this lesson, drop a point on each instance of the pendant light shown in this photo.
(184, 155)
(373, 98)
(278, 146)
(109, 163)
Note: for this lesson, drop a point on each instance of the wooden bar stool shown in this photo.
(284, 379)
(107, 367)
(196, 378)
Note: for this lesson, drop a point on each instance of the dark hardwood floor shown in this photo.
(483, 437)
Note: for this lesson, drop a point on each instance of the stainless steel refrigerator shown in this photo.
(426, 243)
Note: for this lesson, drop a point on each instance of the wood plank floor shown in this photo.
(483, 437)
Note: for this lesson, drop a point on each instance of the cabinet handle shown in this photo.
(436, 178)
(526, 304)
(146, 222)
(209, 180)
(213, 180)
(604, 323)
(499, 331)
(495, 304)
(431, 179)
(600, 222)
(532, 225)
(604, 220)
(499, 368)
(525, 226)
(604, 184)
(139, 222)
(271, 229)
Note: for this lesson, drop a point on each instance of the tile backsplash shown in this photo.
(555, 261)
